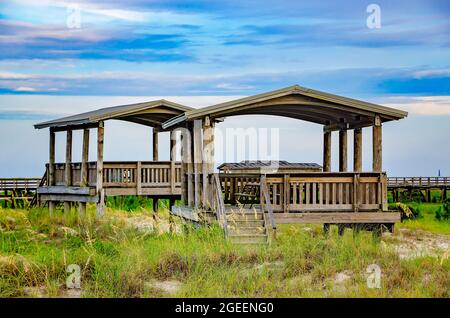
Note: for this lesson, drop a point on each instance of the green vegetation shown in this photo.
(120, 257)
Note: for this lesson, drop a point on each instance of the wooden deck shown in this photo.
(148, 178)
(326, 197)
(419, 182)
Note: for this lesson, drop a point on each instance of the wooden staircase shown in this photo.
(247, 226)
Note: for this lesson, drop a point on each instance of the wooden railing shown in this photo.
(143, 177)
(219, 203)
(419, 182)
(29, 184)
(309, 192)
(265, 198)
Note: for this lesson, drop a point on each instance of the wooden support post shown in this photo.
(198, 147)
(377, 145)
(188, 164)
(173, 158)
(357, 150)
(155, 144)
(51, 168)
(68, 167)
(84, 167)
(100, 191)
(155, 204)
(172, 202)
(138, 178)
(343, 150)
(208, 158)
(327, 151)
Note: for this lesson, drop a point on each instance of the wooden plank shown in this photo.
(67, 197)
(337, 217)
(65, 190)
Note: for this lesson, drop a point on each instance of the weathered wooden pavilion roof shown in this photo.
(333, 111)
(152, 113)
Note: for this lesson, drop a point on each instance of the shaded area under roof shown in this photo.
(335, 112)
(152, 113)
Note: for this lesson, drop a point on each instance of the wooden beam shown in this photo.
(51, 168)
(155, 144)
(99, 188)
(357, 150)
(377, 145)
(75, 127)
(84, 167)
(337, 217)
(327, 151)
(343, 148)
(68, 167)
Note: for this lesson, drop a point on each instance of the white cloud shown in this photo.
(25, 89)
(424, 105)
(430, 73)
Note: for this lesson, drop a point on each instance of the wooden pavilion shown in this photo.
(91, 181)
(341, 197)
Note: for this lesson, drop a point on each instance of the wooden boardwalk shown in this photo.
(18, 191)
(422, 185)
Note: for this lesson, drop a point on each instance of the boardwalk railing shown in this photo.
(27, 184)
(128, 178)
(418, 182)
(316, 192)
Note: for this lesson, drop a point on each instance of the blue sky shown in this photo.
(137, 50)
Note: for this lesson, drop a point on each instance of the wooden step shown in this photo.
(248, 239)
(245, 217)
(235, 231)
(248, 223)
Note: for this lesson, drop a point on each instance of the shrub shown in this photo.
(443, 213)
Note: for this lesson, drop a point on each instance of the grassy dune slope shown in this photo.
(129, 254)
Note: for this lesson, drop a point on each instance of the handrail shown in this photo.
(267, 204)
(220, 207)
(419, 181)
